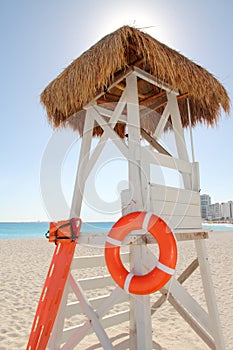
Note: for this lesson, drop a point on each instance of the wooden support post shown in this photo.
(140, 319)
(142, 304)
(179, 135)
(83, 160)
(210, 294)
(190, 130)
(55, 339)
(133, 125)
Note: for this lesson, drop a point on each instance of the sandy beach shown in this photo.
(24, 265)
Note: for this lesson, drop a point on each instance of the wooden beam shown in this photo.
(121, 87)
(153, 102)
(151, 93)
(111, 97)
(153, 80)
(117, 79)
(112, 122)
(192, 323)
(186, 236)
(159, 105)
(162, 122)
(109, 113)
(163, 103)
(146, 98)
(182, 96)
(188, 271)
(154, 143)
(111, 134)
(137, 63)
(191, 236)
(194, 309)
(153, 98)
(154, 107)
(108, 104)
(182, 278)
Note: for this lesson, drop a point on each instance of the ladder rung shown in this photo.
(74, 308)
(107, 322)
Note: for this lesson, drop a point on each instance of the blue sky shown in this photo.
(40, 38)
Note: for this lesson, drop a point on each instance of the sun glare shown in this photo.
(155, 24)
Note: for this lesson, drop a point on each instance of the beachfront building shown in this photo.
(205, 202)
(227, 210)
(214, 211)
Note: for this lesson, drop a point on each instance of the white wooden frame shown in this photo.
(206, 325)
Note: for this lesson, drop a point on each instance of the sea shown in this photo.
(11, 230)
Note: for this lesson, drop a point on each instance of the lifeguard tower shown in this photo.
(131, 89)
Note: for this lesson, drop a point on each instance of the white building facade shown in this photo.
(205, 202)
(227, 210)
(216, 211)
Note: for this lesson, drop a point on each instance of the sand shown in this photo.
(24, 265)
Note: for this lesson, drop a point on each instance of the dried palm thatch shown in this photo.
(95, 70)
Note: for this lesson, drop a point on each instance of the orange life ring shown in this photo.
(165, 267)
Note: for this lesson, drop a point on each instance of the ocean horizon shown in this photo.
(35, 229)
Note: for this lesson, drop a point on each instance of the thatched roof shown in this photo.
(93, 72)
